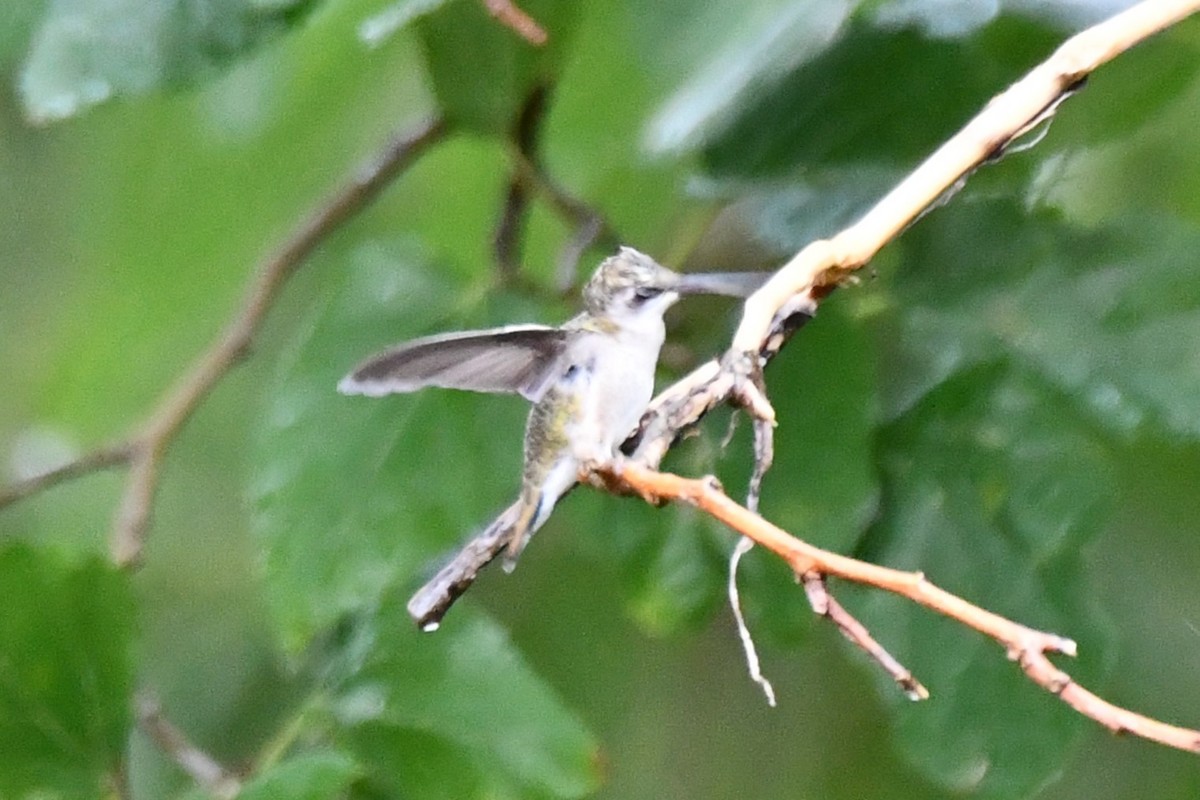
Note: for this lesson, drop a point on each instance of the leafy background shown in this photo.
(1008, 402)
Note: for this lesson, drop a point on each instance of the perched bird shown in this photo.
(589, 379)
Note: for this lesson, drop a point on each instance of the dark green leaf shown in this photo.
(872, 97)
(458, 714)
(87, 51)
(991, 488)
(939, 19)
(483, 71)
(65, 674)
(672, 560)
(725, 54)
(1109, 316)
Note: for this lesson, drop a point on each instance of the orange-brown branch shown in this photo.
(1026, 646)
(512, 16)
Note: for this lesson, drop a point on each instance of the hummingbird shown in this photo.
(589, 379)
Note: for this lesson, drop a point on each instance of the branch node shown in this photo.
(116, 455)
(1067, 647)
(814, 565)
(1059, 683)
(710, 483)
(814, 590)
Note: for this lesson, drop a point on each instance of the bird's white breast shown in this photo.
(618, 372)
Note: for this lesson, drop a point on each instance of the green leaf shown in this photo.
(1148, 167)
(939, 19)
(483, 71)
(733, 51)
(309, 776)
(382, 25)
(1109, 316)
(991, 487)
(88, 51)
(65, 674)
(18, 18)
(672, 560)
(803, 120)
(458, 714)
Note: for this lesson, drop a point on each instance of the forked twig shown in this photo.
(201, 767)
(1026, 646)
(791, 298)
(145, 450)
(232, 345)
(825, 604)
(96, 460)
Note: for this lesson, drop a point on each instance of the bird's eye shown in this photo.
(643, 293)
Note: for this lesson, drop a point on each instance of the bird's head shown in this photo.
(632, 283)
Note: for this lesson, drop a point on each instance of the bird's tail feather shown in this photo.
(431, 602)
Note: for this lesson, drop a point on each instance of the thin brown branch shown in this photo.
(149, 447)
(507, 239)
(201, 767)
(565, 203)
(511, 16)
(1026, 646)
(529, 176)
(506, 243)
(824, 604)
(591, 226)
(104, 458)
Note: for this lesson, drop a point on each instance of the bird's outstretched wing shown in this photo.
(520, 359)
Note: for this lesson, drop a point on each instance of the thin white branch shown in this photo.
(826, 262)
(743, 546)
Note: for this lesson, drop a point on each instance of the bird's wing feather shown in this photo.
(520, 359)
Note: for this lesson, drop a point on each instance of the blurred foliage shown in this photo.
(65, 672)
(1008, 402)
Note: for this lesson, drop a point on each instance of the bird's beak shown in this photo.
(730, 284)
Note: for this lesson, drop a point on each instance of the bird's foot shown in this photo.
(512, 551)
(748, 389)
